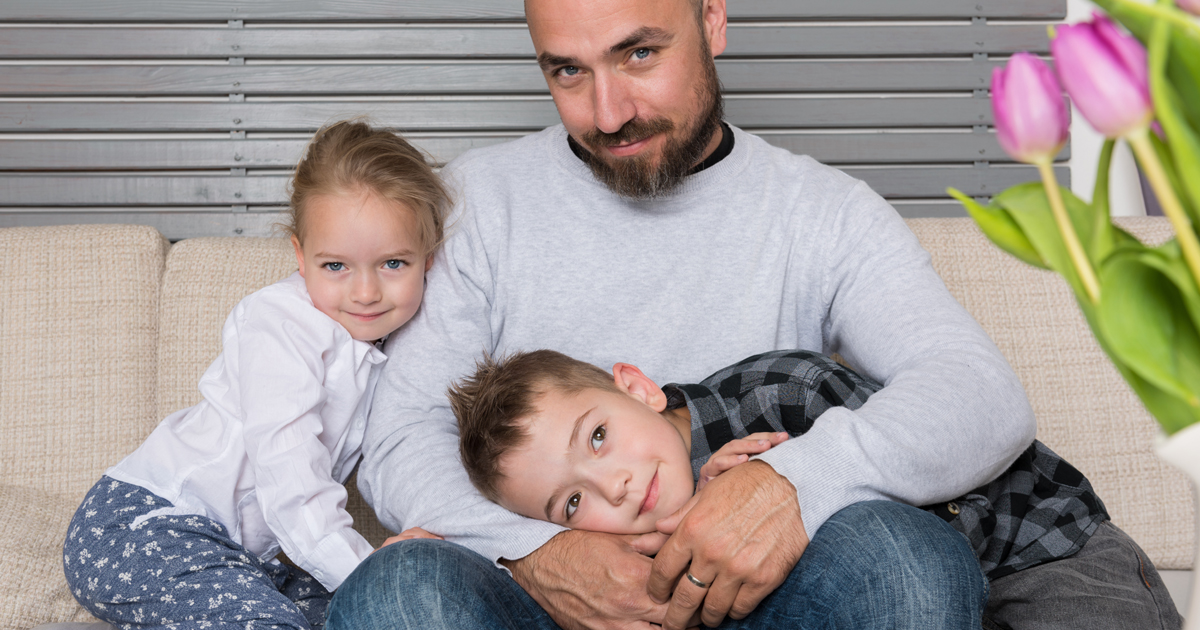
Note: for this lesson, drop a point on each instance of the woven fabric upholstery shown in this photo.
(205, 278)
(77, 351)
(32, 529)
(78, 333)
(1085, 411)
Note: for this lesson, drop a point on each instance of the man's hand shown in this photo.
(589, 581)
(742, 537)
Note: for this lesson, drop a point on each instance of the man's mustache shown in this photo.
(636, 129)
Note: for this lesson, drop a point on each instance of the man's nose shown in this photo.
(613, 104)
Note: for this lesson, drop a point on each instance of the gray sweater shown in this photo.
(764, 250)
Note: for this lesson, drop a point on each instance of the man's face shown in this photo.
(635, 85)
(598, 460)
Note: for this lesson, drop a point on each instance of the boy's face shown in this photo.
(598, 460)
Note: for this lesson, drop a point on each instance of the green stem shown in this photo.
(1184, 21)
(1083, 266)
(1186, 235)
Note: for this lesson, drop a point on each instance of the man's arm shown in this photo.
(952, 416)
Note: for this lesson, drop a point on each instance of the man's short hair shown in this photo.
(493, 403)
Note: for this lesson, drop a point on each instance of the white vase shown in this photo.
(1182, 451)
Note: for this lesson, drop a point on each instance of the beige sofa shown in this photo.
(106, 329)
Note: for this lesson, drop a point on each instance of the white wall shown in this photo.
(1126, 193)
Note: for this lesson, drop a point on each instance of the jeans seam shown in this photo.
(1128, 543)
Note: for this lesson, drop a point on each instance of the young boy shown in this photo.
(557, 439)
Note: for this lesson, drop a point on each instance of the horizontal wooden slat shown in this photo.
(928, 208)
(366, 10)
(173, 223)
(101, 154)
(924, 75)
(180, 223)
(458, 41)
(44, 190)
(512, 114)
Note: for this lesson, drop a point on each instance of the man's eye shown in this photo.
(572, 504)
(641, 53)
(334, 266)
(568, 71)
(598, 437)
(394, 264)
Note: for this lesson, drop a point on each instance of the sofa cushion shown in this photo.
(204, 279)
(32, 531)
(1085, 411)
(78, 331)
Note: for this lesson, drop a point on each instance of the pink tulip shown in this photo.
(1106, 75)
(1191, 6)
(1031, 114)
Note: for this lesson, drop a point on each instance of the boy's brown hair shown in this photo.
(350, 155)
(493, 403)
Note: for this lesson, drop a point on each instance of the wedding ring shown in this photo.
(691, 578)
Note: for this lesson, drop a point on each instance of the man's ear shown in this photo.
(715, 20)
(299, 254)
(631, 381)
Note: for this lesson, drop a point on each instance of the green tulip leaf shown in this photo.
(999, 227)
(1168, 260)
(1030, 209)
(1184, 144)
(1144, 321)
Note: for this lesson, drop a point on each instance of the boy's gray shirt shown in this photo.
(764, 250)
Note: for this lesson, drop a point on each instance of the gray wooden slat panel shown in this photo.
(366, 10)
(915, 209)
(931, 182)
(492, 41)
(926, 182)
(100, 154)
(35, 155)
(525, 113)
(472, 78)
(173, 223)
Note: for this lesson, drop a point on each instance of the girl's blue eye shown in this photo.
(394, 264)
(572, 505)
(641, 53)
(334, 266)
(598, 437)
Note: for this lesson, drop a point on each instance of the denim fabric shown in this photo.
(177, 571)
(873, 565)
(1109, 585)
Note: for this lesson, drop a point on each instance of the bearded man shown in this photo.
(645, 229)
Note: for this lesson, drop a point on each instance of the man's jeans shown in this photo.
(873, 565)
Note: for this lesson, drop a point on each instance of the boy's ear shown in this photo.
(299, 254)
(631, 381)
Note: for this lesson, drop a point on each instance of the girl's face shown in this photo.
(362, 262)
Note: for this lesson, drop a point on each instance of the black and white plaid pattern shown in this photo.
(1040, 509)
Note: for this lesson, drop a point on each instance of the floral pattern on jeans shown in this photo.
(177, 571)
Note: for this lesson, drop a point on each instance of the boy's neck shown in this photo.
(681, 419)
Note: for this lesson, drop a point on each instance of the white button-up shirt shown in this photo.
(278, 432)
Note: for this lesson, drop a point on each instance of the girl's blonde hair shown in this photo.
(350, 155)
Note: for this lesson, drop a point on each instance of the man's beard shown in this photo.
(639, 177)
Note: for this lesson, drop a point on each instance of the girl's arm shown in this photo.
(300, 386)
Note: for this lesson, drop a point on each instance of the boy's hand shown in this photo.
(734, 453)
(408, 534)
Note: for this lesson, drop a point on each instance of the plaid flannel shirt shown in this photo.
(1040, 509)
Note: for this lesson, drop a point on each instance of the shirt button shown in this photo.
(953, 507)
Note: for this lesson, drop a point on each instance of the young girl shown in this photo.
(184, 532)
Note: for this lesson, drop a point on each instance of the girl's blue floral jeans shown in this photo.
(176, 571)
